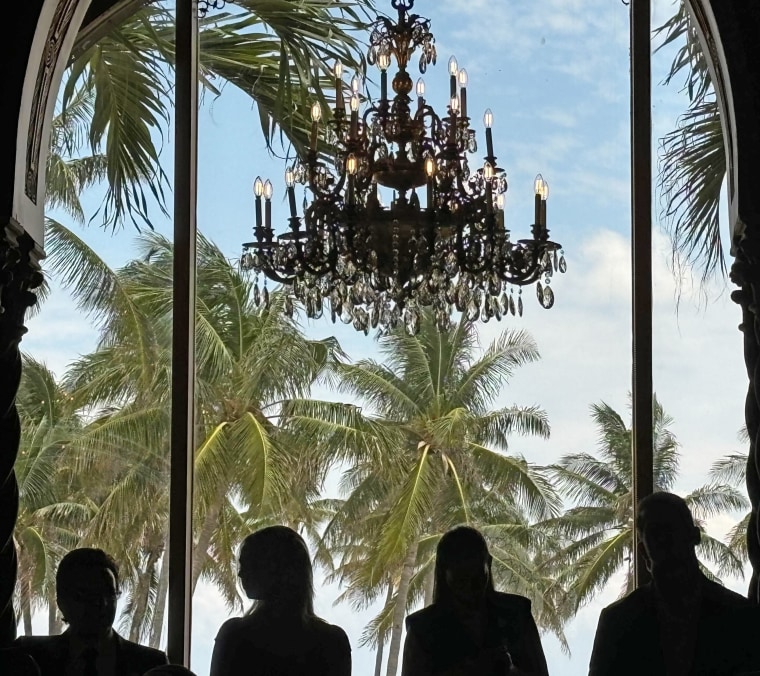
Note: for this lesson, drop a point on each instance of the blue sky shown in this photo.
(555, 75)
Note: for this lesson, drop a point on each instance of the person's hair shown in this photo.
(71, 565)
(462, 542)
(169, 670)
(288, 552)
(662, 500)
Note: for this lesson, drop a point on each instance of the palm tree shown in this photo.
(599, 528)
(251, 360)
(49, 508)
(692, 161)
(429, 453)
(275, 51)
(731, 469)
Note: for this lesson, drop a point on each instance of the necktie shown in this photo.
(89, 659)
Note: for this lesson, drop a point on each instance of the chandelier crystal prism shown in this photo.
(441, 245)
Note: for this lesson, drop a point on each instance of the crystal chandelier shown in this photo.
(373, 265)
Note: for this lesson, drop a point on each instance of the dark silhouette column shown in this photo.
(746, 274)
(19, 274)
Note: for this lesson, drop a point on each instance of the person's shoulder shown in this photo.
(423, 618)
(632, 603)
(35, 641)
(35, 645)
(512, 602)
(329, 632)
(148, 657)
(233, 627)
(723, 596)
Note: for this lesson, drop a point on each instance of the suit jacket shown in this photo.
(628, 640)
(436, 642)
(51, 653)
(18, 663)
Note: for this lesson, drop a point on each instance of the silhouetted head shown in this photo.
(275, 568)
(169, 670)
(87, 588)
(667, 531)
(462, 568)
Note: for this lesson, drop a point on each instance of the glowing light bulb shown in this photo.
(454, 104)
(268, 190)
(316, 111)
(420, 87)
(356, 84)
(384, 61)
(352, 164)
(538, 185)
(463, 78)
(355, 101)
(545, 192)
(488, 119)
(453, 65)
(430, 166)
(258, 187)
(290, 178)
(338, 69)
(488, 171)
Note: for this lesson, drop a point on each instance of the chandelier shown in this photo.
(440, 245)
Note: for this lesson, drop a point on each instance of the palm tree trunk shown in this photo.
(160, 609)
(26, 613)
(399, 612)
(142, 595)
(381, 638)
(200, 551)
(429, 585)
(54, 626)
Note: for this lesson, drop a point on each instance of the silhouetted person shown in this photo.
(680, 624)
(281, 636)
(471, 629)
(16, 662)
(169, 670)
(87, 588)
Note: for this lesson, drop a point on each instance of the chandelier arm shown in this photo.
(276, 276)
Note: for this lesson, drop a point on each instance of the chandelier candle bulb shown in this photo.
(258, 191)
(338, 70)
(538, 188)
(454, 108)
(290, 182)
(268, 190)
(488, 122)
(420, 94)
(316, 114)
(384, 62)
(430, 171)
(500, 211)
(355, 102)
(544, 199)
(352, 166)
(453, 70)
(463, 81)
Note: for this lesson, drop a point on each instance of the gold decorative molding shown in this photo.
(59, 27)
